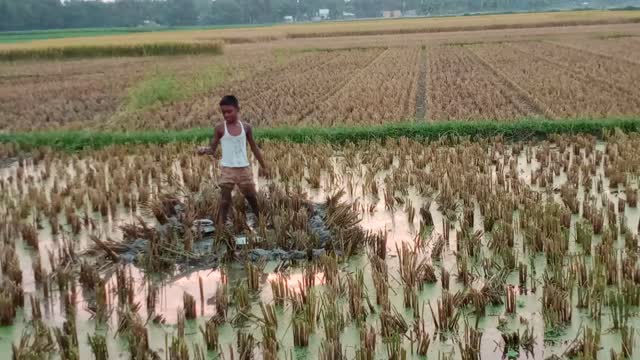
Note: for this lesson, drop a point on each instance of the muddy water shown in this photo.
(394, 223)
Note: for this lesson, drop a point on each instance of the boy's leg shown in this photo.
(252, 199)
(226, 187)
(225, 204)
(248, 189)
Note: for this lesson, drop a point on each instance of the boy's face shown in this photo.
(229, 112)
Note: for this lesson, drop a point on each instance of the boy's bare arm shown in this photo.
(254, 148)
(213, 145)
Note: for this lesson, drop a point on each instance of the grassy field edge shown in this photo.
(516, 130)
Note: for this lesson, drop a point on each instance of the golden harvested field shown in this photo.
(384, 89)
(461, 87)
(625, 48)
(364, 27)
(558, 90)
(585, 72)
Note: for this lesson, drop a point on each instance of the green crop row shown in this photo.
(517, 130)
(96, 51)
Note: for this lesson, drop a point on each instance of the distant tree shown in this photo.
(181, 12)
(284, 8)
(368, 8)
(224, 12)
(48, 14)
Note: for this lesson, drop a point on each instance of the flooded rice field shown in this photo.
(395, 250)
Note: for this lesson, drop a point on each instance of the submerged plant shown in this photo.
(189, 305)
(447, 319)
(67, 339)
(98, 344)
(210, 334)
(587, 346)
(470, 345)
(357, 295)
(178, 349)
(246, 345)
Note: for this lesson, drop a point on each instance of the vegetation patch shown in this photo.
(167, 87)
(87, 51)
(523, 129)
(158, 89)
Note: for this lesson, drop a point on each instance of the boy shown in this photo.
(235, 168)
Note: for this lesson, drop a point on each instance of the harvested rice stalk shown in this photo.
(587, 347)
(522, 277)
(392, 323)
(627, 341)
(189, 305)
(395, 351)
(511, 300)
(300, 332)
(269, 317)
(67, 339)
(445, 279)
(356, 297)
(36, 344)
(221, 302)
(269, 342)
(9, 300)
(620, 311)
(438, 247)
(179, 349)
(331, 350)
(246, 345)
(423, 339)
(514, 341)
(36, 310)
(447, 319)
(280, 289)
(30, 235)
(254, 274)
(98, 344)
(210, 334)
(470, 345)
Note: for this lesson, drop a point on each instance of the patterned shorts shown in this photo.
(242, 177)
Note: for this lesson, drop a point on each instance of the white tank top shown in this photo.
(234, 149)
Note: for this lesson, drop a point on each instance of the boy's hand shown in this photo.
(203, 150)
(264, 172)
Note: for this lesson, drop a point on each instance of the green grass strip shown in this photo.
(516, 130)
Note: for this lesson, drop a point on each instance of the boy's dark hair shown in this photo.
(229, 100)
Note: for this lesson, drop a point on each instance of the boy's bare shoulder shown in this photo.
(219, 127)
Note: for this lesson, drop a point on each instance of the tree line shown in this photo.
(57, 14)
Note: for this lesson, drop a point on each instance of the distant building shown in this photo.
(391, 13)
(348, 15)
(149, 24)
(323, 14)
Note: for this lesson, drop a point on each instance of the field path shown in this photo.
(607, 78)
(563, 92)
(533, 103)
(421, 87)
(341, 85)
(592, 52)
